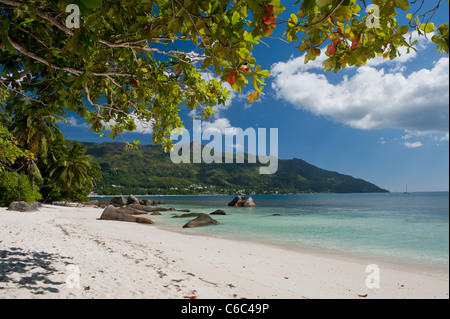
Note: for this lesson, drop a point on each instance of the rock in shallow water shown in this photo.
(200, 221)
(218, 212)
(242, 201)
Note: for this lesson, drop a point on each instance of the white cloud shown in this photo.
(142, 127)
(382, 140)
(219, 125)
(414, 134)
(413, 144)
(224, 127)
(371, 98)
(73, 122)
(444, 138)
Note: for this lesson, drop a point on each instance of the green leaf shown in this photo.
(323, 3)
(402, 4)
(308, 6)
(402, 30)
(235, 18)
(427, 27)
(92, 4)
(264, 73)
(343, 14)
(253, 5)
(293, 20)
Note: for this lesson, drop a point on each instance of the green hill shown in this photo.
(149, 170)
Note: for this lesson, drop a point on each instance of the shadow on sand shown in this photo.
(31, 270)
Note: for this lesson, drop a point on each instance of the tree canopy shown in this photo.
(119, 62)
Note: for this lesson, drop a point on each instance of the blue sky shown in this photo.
(386, 122)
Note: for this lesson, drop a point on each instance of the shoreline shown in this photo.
(421, 268)
(271, 194)
(131, 260)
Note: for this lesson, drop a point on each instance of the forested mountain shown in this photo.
(148, 170)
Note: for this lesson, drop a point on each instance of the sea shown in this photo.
(403, 230)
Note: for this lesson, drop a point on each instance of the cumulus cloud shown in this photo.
(444, 138)
(371, 98)
(221, 125)
(413, 144)
(73, 122)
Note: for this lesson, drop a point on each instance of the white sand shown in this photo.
(130, 260)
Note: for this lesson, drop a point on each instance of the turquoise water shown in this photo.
(395, 226)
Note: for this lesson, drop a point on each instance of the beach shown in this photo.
(67, 252)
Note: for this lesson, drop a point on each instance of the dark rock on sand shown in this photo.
(118, 201)
(242, 201)
(218, 212)
(132, 211)
(114, 213)
(200, 221)
(22, 206)
(155, 213)
(68, 204)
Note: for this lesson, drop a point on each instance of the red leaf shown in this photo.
(355, 41)
(363, 296)
(331, 49)
(269, 18)
(190, 297)
(268, 9)
(231, 78)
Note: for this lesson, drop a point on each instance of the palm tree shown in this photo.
(35, 129)
(73, 171)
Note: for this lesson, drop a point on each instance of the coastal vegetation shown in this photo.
(148, 170)
(40, 164)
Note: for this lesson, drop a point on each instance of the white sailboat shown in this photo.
(406, 190)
